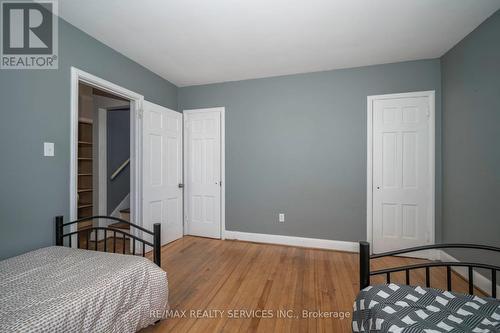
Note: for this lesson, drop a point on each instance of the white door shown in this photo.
(403, 208)
(203, 172)
(162, 170)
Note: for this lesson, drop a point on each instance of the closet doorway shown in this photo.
(105, 156)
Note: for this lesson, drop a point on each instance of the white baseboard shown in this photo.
(424, 254)
(480, 281)
(293, 241)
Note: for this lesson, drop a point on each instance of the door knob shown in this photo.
(180, 185)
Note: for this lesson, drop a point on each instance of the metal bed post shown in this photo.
(364, 265)
(59, 230)
(157, 243)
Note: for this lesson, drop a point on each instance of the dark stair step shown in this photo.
(119, 225)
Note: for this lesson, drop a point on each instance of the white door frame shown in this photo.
(432, 151)
(222, 111)
(136, 100)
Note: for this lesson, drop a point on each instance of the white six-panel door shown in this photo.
(162, 170)
(202, 152)
(402, 173)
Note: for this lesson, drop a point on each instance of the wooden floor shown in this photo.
(214, 275)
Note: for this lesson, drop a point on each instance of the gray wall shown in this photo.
(118, 151)
(471, 138)
(35, 107)
(297, 144)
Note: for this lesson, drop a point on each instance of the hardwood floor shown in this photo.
(214, 275)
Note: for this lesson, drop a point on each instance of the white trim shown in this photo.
(223, 173)
(432, 164)
(423, 254)
(222, 111)
(136, 102)
(124, 204)
(316, 243)
(480, 281)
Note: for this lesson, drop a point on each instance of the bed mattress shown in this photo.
(59, 289)
(402, 308)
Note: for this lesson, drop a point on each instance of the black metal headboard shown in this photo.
(365, 257)
(156, 233)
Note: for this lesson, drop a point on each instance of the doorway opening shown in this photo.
(103, 167)
(106, 136)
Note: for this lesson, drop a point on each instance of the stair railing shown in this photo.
(120, 169)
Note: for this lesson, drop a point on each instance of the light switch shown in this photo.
(281, 218)
(48, 149)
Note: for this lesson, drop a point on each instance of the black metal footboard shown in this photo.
(365, 257)
(114, 232)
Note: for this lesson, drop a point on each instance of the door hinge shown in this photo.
(140, 114)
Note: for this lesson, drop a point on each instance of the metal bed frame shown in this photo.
(365, 257)
(156, 233)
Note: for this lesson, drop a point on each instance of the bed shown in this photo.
(405, 308)
(66, 289)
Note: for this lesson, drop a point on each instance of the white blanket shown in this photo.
(59, 289)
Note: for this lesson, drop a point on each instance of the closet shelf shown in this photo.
(85, 206)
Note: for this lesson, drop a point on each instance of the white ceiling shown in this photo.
(190, 42)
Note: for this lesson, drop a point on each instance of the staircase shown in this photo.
(121, 244)
(124, 215)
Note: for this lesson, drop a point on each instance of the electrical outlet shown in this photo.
(281, 217)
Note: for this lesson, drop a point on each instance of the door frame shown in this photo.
(222, 111)
(136, 101)
(431, 95)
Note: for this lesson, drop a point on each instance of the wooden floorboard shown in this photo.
(215, 275)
